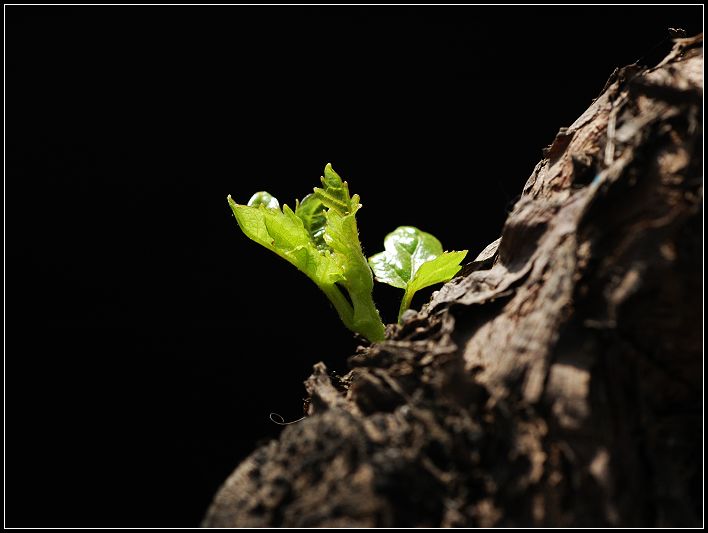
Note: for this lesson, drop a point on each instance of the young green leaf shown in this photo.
(265, 199)
(412, 260)
(335, 194)
(321, 239)
(312, 213)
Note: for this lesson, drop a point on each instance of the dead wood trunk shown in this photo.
(558, 381)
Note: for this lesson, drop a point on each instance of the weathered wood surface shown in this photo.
(558, 381)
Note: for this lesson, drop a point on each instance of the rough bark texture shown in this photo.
(557, 381)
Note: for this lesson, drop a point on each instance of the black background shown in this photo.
(147, 338)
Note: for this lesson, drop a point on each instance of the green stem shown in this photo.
(344, 309)
(367, 320)
(405, 304)
(363, 318)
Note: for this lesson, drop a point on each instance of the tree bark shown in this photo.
(558, 380)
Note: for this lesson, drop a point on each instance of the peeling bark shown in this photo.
(558, 380)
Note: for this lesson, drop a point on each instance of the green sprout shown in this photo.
(413, 260)
(321, 239)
